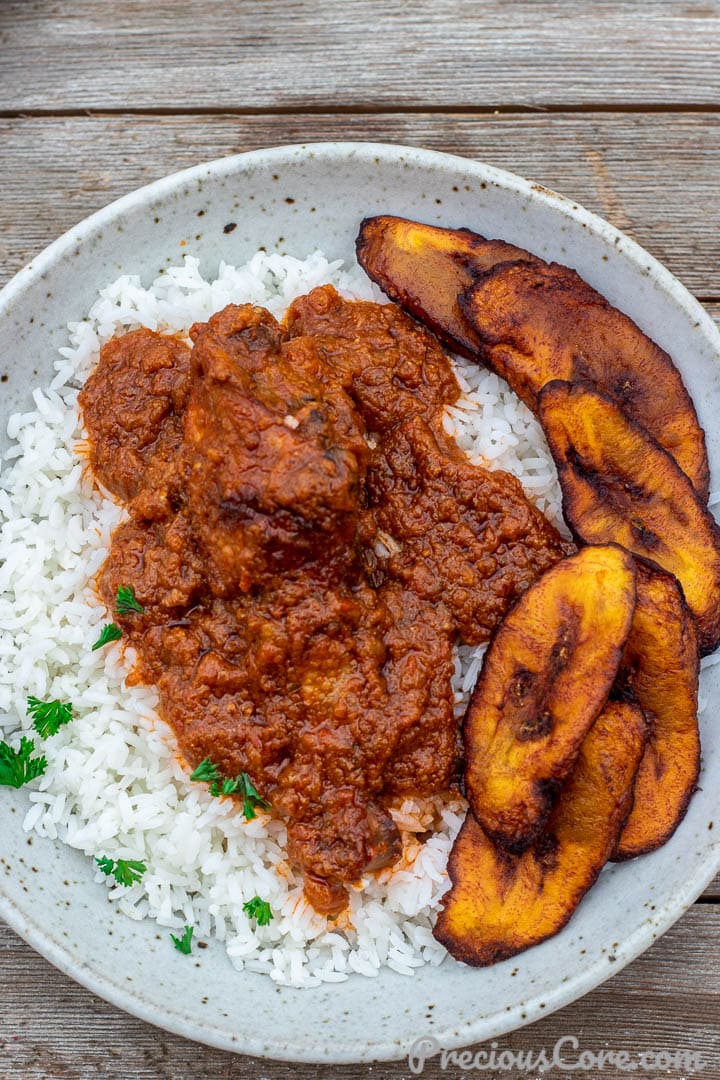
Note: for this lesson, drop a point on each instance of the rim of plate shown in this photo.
(101, 983)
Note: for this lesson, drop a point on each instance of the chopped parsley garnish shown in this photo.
(184, 944)
(125, 601)
(48, 716)
(258, 909)
(17, 767)
(207, 772)
(110, 632)
(125, 871)
(251, 799)
(225, 786)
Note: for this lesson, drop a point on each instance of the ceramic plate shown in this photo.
(295, 199)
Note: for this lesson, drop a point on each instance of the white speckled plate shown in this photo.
(295, 199)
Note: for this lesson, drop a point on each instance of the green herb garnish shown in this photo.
(125, 871)
(251, 799)
(224, 787)
(110, 632)
(206, 772)
(258, 909)
(48, 716)
(125, 601)
(184, 944)
(17, 767)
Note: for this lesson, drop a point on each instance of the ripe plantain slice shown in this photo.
(545, 678)
(619, 485)
(499, 903)
(660, 670)
(537, 322)
(424, 269)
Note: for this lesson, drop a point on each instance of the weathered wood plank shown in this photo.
(653, 175)
(667, 1000)
(259, 54)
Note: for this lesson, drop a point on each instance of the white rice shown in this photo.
(113, 785)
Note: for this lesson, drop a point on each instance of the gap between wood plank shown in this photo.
(592, 108)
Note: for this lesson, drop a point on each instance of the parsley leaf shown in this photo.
(184, 944)
(258, 909)
(48, 716)
(110, 632)
(224, 786)
(208, 772)
(17, 767)
(125, 871)
(125, 601)
(128, 871)
(205, 772)
(251, 799)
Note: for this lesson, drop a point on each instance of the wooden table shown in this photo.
(615, 104)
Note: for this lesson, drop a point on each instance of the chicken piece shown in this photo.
(132, 406)
(390, 366)
(158, 561)
(468, 538)
(272, 481)
(284, 377)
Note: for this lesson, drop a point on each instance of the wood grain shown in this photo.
(177, 54)
(669, 999)
(713, 890)
(615, 103)
(655, 176)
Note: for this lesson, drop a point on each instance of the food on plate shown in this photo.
(440, 512)
(545, 678)
(537, 322)
(17, 766)
(533, 322)
(125, 872)
(273, 573)
(659, 671)
(183, 944)
(620, 486)
(425, 269)
(502, 903)
(302, 535)
(150, 407)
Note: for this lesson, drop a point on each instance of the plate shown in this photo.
(295, 199)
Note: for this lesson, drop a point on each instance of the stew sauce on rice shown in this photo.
(307, 545)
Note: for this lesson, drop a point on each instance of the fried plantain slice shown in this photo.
(537, 322)
(619, 485)
(425, 268)
(660, 670)
(499, 903)
(545, 678)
